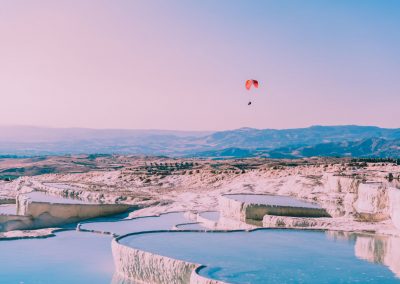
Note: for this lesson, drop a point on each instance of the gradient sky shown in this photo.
(182, 64)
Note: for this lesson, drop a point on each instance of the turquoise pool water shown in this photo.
(8, 209)
(69, 257)
(274, 200)
(72, 256)
(191, 226)
(210, 215)
(163, 222)
(272, 256)
(262, 256)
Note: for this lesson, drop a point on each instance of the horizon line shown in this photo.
(185, 130)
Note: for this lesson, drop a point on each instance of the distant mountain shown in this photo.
(369, 147)
(229, 153)
(348, 140)
(26, 140)
(273, 138)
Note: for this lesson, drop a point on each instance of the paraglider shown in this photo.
(251, 83)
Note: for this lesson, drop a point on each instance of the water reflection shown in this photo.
(383, 250)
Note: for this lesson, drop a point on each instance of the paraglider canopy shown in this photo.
(250, 83)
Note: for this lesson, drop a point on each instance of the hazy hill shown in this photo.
(350, 140)
(369, 147)
(272, 138)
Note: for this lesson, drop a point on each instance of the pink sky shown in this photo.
(182, 64)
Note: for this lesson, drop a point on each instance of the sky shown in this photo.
(182, 64)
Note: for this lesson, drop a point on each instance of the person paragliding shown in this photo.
(251, 83)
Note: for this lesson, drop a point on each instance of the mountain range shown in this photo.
(338, 141)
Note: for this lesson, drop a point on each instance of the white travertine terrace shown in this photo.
(394, 206)
(46, 214)
(150, 268)
(243, 211)
(272, 221)
(15, 222)
(354, 205)
(146, 267)
(377, 202)
(33, 214)
(371, 203)
(363, 206)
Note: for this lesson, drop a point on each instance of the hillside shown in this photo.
(350, 140)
